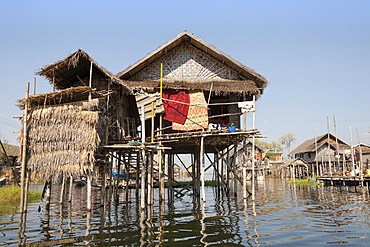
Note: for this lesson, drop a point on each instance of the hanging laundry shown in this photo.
(146, 99)
(197, 114)
(176, 112)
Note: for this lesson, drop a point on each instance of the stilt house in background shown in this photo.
(307, 150)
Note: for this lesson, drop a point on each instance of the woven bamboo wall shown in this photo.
(187, 62)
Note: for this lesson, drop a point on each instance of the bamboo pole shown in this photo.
(235, 182)
(110, 179)
(127, 169)
(244, 171)
(70, 189)
(28, 178)
(150, 177)
(62, 190)
(103, 184)
(89, 198)
(34, 86)
(24, 150)
(142, 198)
(137, 175)
(352, 158)
(360, 149)
(330, 172)
(336, 141)
(152, 133)
(317, 162)
(118, 173)
(253, 146)
(202, 167)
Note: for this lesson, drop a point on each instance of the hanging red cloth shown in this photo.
(175, 111)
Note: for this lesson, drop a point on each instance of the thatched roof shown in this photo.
(219, 87)
(248, 81)
(309, 145)
(295, 162)
(68, 95)
(72, 69)
(365, 148)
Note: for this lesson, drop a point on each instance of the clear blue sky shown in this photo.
(315, 54)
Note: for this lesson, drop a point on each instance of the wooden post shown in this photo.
(48, 193)
(253, 175)
(34, 86)
(24, 150)
(88, 198)
(137, 174)
(118, 173)
(70, 189)
(142, 198)
(110, 179)
(150, 174)
(103, 186)
(28, 178)
(336, 141)
(361, 171)
(253, 146)
(330, 172)
(62, 189)
(244, 171)
(127, 168)
(201, 153)
(317, 162)
(234, 168)
(228, 170)
(353, 160)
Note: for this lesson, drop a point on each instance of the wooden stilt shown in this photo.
(127, 169)
(62, 190)
(202, 167)
(137, 175)
(24, 151)
(103, 186)
(116, 194)
(228, 171)
(244, 170)
(70, 189)
(110, 179)
(150, 173)
(235, 182)
(26, 190)
(48, 194)
(88, 197)
(142, 197)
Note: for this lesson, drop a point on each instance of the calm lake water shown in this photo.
(282, 215)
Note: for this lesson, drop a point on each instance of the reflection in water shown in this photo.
(202, 231)
(282, 214)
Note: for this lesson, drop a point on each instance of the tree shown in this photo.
(287, 140)
(272, 148)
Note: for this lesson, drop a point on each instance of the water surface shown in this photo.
(282, 215)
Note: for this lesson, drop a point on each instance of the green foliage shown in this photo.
(269, 148)
(13, 194)
(287, 140)
(304, 182)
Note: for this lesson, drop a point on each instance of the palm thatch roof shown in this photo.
(69, 95)
(247, 81)
(71, 70)
(219, 86)
(295, 162)
(365, 148)
(310, 147)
